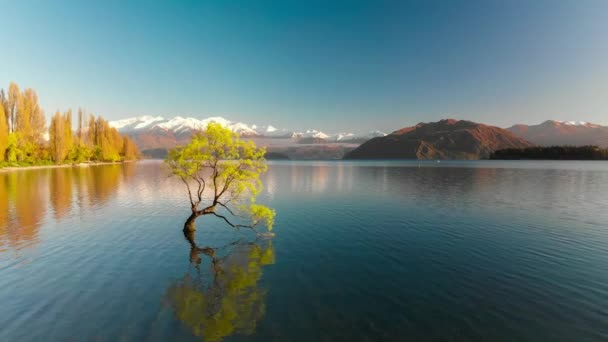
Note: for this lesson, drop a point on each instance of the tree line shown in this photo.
(24, 138)
(552, 153)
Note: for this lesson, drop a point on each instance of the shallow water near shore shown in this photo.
(364, 251)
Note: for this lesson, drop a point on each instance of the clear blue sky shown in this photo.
(344, 65)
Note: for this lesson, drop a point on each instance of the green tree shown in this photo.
(219, 162)
(13, 153)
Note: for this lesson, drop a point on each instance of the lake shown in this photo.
(364, 251)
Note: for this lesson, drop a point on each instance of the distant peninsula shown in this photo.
(552, 153)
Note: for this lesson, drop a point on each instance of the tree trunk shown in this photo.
(190, 226)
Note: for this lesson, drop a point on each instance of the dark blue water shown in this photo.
(364, 251)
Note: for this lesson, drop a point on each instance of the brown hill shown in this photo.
(552, 133)
(445, 139)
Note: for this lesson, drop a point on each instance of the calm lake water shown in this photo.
(364, 251)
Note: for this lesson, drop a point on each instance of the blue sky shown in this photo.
(344, 65)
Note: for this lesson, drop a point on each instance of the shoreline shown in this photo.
(38, 167)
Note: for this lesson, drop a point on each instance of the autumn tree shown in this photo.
(24, 122)
(68, 138)
(3, 134)
(129, 150)
(13, 104)
(57, 138)
(80, 123)
(29, 124)
(36, 116)
(90, 138)
(4, 105)
(108, 142)
(229, 169)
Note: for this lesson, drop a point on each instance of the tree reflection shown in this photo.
(27, 195)
(226, 300)
(23, 192)
(61, 191)
(103, 182)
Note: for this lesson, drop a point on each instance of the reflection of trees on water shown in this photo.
(26, 196)
(220, 295)
(60, 190)
(22, 205)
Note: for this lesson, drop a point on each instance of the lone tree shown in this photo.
(222, 175)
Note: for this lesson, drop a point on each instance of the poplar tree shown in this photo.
(91, 131)
(67, 133)
(24, 111)
(4, 105)
(3, 134)
(80, 123)
(130, 151)
(22, 126)
(37, 119)
(12, 104)
(56, 138)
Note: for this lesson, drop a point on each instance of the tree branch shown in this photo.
(229, 210)
(189, 192)
(237, 226)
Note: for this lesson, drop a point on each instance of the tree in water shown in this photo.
(229, 301)
(219, 163)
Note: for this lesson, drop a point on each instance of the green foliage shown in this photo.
(262, 214)
(80, 154)
(218, 161)
(13, 154)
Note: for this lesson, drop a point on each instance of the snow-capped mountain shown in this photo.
(177, 125)
(575, 123)
(159, 132)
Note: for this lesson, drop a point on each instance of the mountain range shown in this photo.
(158, 132)
(553, 132)
(445, 139)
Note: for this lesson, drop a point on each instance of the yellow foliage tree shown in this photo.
(68, 139)
(218, 161)
(25, 126)
(12, 103)
(3, 133)
(57, 138)
(129, 150)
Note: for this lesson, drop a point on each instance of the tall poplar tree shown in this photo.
(12, 104)
(37, 120)
(3, 134)
(91, 131)
(56, 138)
(67, 133)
